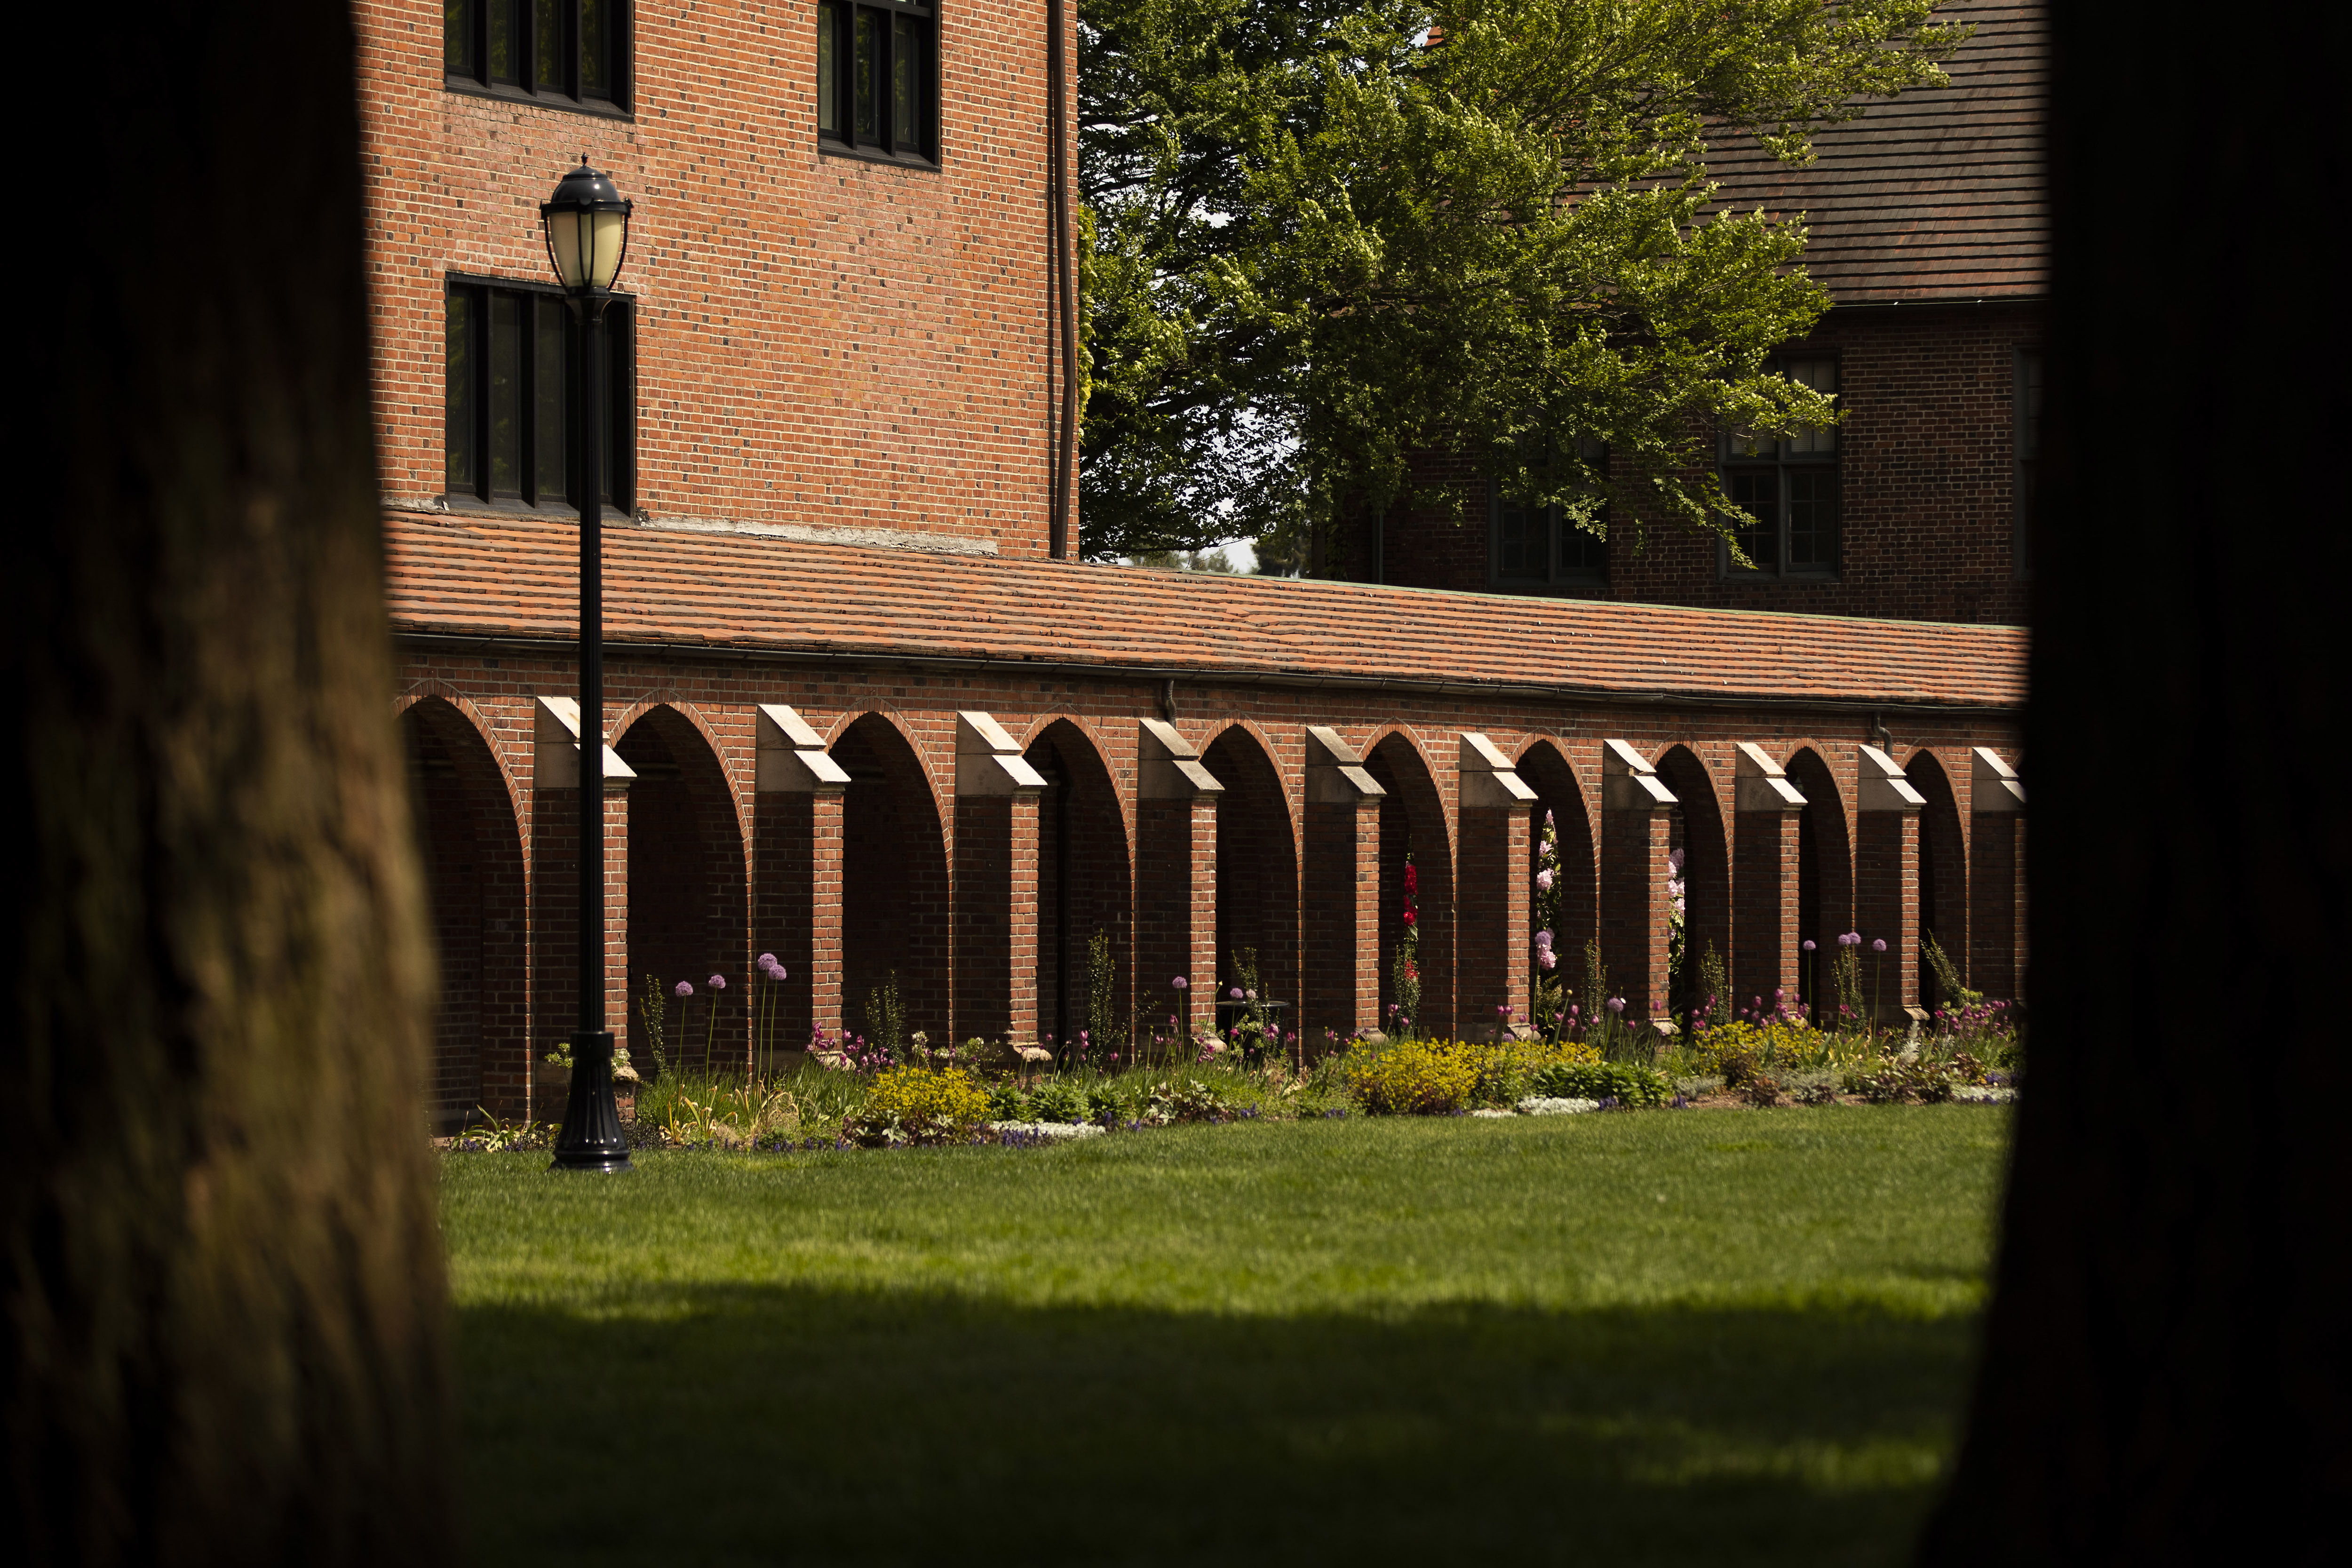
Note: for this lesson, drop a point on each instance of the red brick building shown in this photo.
(865, 716)
(1929, 231)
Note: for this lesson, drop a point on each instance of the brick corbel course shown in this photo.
(1339, 893)
(1996, 876)
(555, 884)
(1493, 956)
(1886, 882)
(797, 903)
(1768, 811)
(1636, 811)
(1176, 865)
(995, 884)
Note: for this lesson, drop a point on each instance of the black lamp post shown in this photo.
(587, 226)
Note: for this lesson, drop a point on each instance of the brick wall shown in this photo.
(821, 340)
(1927, 487)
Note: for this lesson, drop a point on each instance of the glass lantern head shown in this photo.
(587, 226)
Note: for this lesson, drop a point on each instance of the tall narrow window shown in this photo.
(1539, 548)
(877, 79)
(513, 380)
(2025, 439)
(1789, 486)
(564, 53)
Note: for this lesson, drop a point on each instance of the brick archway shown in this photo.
(471, 845)
(897, 916)
(1413, 818)
(1257, 868)
(689, 895)
(1559, 801)
(1084, 882)
(1943, 875)
(1699, 833)
(1825, 873)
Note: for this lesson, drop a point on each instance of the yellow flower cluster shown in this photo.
(917, 1096)
(1432, 1078)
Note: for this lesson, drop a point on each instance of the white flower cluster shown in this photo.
(1538, 1105)
(1049, 1129)
(1503, 1114)
(1973, 1095)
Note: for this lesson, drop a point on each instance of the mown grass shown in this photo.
(1704, 1337)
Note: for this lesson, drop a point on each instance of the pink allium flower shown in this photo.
(1807, 945)
(719, 983)
(1181, 984)
(683, 988)
(767, 960)
(1616, 1004)
(1234, 995)
(1544, 879)
(1879, 946)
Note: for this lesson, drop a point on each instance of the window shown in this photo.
(514, 372)
(572, 54)
(1789, 486)
(877, 73)
(1537, 548)
(2025, 441)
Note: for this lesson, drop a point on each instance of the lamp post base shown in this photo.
(591, 1140)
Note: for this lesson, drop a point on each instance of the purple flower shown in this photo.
(1547, 819)
(1181, 984)
(1235, 995)
(1616, 1004)
(767, 960)
(1807, 945)
(1543, 939)
(1544, 879)
(719, 983)
(1548, 958)
(684, 988)
(1879, 946)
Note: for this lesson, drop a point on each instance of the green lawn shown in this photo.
(1699, 1337)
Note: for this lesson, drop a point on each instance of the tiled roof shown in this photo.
(1937, 195)
(506, 577)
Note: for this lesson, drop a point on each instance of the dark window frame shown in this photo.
(618, 450)
(1560, 576)
(1784, 465)
(2028, 389)
(472, 21)
(919, 148)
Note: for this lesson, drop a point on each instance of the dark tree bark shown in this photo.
(2165, 1347)
(219, 1256)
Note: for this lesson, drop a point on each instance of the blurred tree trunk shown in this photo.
(222, 1274)
(2164, 1380)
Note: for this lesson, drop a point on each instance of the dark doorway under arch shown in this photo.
(1084, 884)
(1825, 873)
(1699, 834)
(1257, 869)
(1412, 818)
(1943, 878)
(471, 847)
(1576, 886)
(896, 918)
(688, 891)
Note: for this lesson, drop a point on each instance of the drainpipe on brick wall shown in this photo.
(1057, 148)
(1879, 732)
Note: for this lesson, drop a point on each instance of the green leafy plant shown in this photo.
(1056, 1100)
(1629, 1085)
(1186, 1100)
(1005, 1102)
(653, 1015)
(1105, 1033)
(886, 1019)
(1713, 1005)
(1111, 1105)
(1947, 978)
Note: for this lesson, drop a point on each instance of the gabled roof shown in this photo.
(1936, 195)
(741, 594)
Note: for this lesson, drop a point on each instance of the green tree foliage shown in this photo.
(1327, 235)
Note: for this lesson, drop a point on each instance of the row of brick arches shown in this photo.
(865, 860)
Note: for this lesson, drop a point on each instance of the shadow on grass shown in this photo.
(738, 1424)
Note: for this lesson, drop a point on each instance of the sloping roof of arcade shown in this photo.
(515, 579)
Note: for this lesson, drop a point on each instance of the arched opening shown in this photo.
(1943, 878)
(1257, 871)
(472, 851)
(1572, 903)
(1084, 885)
(896, 921)
(1413, 821)
(688, 904)
(1824, 872)
(1698, 832)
